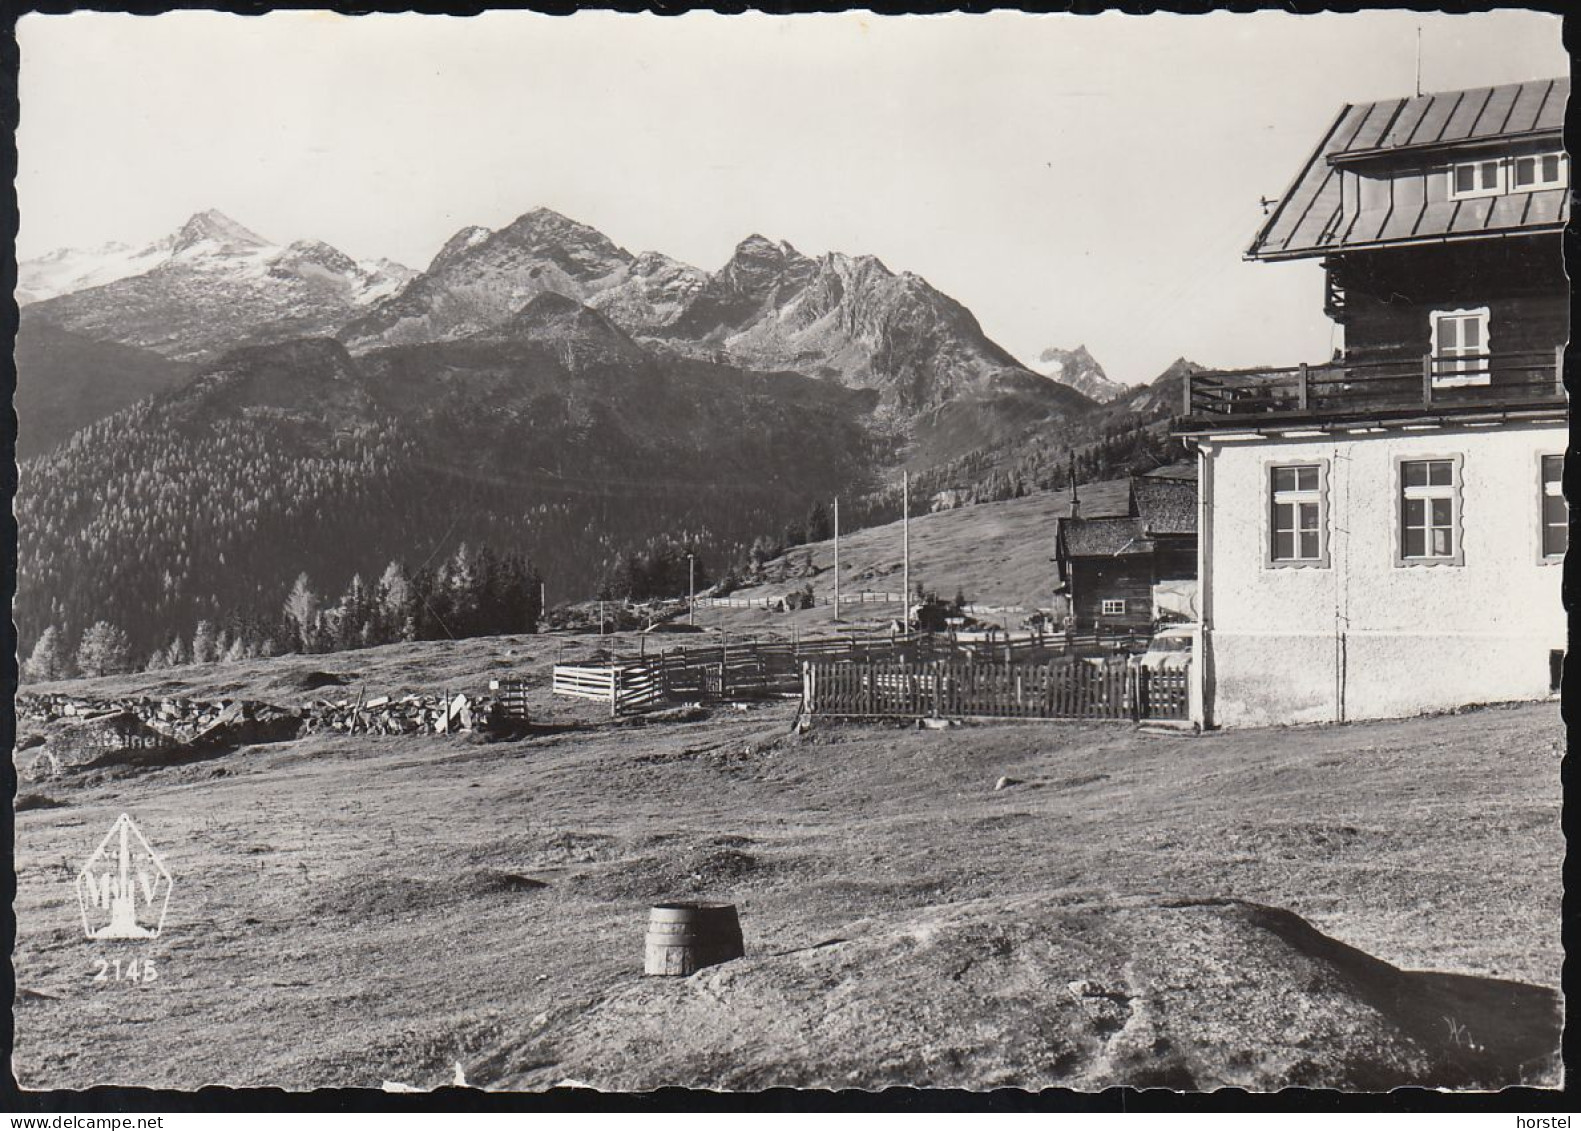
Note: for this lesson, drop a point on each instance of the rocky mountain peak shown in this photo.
(458, 244)
(761, 249)
(861, 267)
(316, 253)
(554, 317)
(1078, 369)
(543, 230)
(213, 227)
(1077, 356)
(657, 263)
(758, 264)
(545, 309)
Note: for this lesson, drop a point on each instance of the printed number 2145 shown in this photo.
(133, 971)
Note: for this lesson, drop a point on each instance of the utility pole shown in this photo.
(905, 547)
(1074, 512)
(691, 590)
(837, 558)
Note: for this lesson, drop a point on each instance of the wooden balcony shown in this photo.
(1504, 386)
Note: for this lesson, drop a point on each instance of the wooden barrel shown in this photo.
(685, 937)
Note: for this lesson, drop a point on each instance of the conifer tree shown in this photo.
(205, 644)
(393, 597)
(176, 653)
(48, 660)
(302, 616)
(104, 650)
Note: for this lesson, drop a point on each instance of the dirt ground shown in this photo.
(349, 911)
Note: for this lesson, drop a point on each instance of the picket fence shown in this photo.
(1060, 689)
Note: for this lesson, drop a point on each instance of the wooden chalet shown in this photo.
(1132, 565)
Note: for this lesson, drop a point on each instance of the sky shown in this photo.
(1071, 179)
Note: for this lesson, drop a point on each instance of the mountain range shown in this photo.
(209, 287)
(535, 386)
(847, 318)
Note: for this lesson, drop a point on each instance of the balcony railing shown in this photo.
(1473, 383)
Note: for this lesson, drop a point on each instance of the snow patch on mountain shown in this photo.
(211, 285)
(215, 246)
(76, 269)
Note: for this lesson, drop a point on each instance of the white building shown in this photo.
(1383, 534)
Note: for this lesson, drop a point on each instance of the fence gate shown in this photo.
(1164, 693)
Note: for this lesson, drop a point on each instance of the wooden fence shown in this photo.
(755, 668)
(1060, 689)
(511, 695)
(778, 603)
(623, 686)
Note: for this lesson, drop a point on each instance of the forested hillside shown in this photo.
(206, 503)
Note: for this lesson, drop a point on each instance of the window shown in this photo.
(1539, 171)
(1113, 607)
(1556, 516)
(1429, 512)
(1477, 178)
(1295, 527)
(1496, 176)
(1460, 347)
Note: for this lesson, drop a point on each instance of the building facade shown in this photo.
(1383, 533)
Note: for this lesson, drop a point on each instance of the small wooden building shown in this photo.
(1132, 568)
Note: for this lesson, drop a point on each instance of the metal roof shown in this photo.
(1310, 219)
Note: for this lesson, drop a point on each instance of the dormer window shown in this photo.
(1499, 175)
(1539, 171)
(1476, 178)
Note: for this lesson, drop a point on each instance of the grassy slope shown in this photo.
(997, 553)
(392, 880)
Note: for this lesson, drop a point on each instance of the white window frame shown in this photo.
(1112, 607)
(1548, 488)
(1501, 178)
(1275, 498)
(1450, 491)
(1541, 184)
(1453, 366)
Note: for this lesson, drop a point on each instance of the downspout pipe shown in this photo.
(1202, 668)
